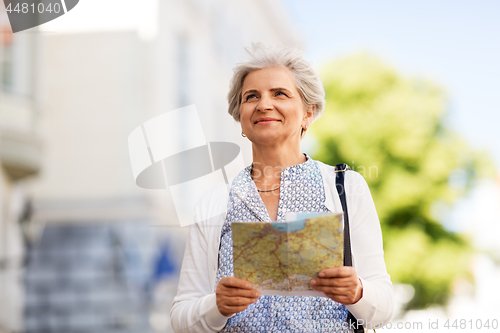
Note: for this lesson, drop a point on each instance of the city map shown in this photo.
(280, 258)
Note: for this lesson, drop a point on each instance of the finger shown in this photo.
(333, 282)
(234, 282)
(239, 301)
(237, 292)
(344, 295)
(334, 290)
(229, 311)
(337, 272)
(346, 300)
(228, 306)
(339, 298)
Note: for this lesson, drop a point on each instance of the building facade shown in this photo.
(82, 247)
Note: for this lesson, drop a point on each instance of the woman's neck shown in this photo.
(269, 162)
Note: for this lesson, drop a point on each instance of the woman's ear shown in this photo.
(308, 117)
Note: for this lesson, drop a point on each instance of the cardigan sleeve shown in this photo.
(375, 307)
(194, 309)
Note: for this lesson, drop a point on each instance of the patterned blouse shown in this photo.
(301, 190)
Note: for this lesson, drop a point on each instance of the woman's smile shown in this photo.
(266, 120)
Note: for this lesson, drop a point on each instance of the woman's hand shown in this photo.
(340, 284)
(234, 295)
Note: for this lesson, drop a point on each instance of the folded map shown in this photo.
(280, 258)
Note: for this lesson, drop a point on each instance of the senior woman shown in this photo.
(275, 96)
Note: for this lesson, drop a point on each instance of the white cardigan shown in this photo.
(194, 309)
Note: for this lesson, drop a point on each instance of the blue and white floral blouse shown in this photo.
(301, 190)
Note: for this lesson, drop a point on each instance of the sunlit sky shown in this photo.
(456, 43)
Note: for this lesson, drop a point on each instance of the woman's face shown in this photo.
(271, 109)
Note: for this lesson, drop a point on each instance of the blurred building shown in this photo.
(82, 248)
(20, 158)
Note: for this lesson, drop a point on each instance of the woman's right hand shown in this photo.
(234, 295)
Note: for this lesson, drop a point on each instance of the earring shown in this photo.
(243, 135)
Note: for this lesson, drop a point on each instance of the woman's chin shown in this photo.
(266, 139)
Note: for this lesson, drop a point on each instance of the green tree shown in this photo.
(392, 130)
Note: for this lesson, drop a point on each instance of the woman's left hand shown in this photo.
(340, 284)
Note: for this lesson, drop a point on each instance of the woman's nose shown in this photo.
(265, 103)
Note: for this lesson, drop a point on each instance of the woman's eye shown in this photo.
(280, 93)
(249, 96)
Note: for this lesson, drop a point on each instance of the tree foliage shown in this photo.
(392, 129)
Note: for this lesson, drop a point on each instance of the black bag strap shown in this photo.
(340, 170)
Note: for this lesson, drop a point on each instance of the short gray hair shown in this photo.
(307, 80)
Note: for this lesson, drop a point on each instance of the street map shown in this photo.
(280, 258)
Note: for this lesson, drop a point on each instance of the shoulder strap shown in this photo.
(340, 170)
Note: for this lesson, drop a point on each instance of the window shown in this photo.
(6, 58)
(16, 56)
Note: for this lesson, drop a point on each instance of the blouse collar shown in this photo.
(245, 189)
